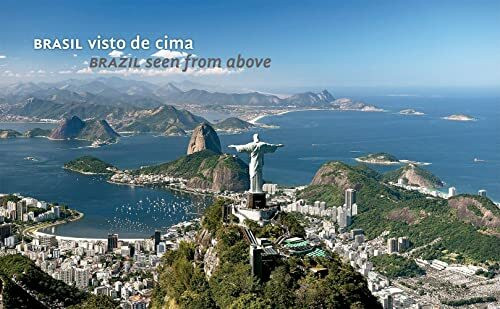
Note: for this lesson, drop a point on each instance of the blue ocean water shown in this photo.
(311, 138)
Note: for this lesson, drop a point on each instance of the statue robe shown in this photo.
(256, 151)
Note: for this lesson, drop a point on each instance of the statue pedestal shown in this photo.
(256, 200)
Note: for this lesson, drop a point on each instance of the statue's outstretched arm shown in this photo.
(242, 148)
(272, 147)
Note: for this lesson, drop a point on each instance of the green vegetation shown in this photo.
(424, 176)
(185, 167)
(405, 213)
(17, 271)
(394, 266)
(203, 169)
(379, 157)
(37, 132)
(183, 283)
(14, 296)
(88, 165)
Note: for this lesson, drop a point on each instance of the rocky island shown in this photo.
(349, 104)
(90, 166)
(411, 111)
(459, 117)
(8, 133)
(381, 158)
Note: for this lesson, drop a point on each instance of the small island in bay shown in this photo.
(379, 158)
(8, 133)
(411, 111)
(459, 117)
(89, 165)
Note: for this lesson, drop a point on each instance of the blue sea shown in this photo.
(311, 138)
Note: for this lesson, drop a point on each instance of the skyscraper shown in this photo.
(350, 197)
(112, 242)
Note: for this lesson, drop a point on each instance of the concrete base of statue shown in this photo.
(256, 200)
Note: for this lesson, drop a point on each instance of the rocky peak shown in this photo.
(69, 128)
(204, 137)
(326, 96)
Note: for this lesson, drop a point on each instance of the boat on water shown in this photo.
(478, 160)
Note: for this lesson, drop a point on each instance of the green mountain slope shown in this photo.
(183, 282)
(207, 170)
(415, 176)
(409, 213)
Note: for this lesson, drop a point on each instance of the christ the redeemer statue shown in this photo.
(256, 149)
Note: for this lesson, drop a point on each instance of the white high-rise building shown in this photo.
(354, 209)
(482, 192)
(452, 191)
(65, 274)
(342, 218)
(57, 211)
(161, 248)
(350, 197)
(82, 276)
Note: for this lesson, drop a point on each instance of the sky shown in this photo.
(311, 43)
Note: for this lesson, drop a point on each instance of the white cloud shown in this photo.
(75, 55)
(165, 53)
(41, 72)
(164, 72)
(216, 71)
(115, 53)
(86, 62)
(3, 56)
(65, 72)
(85, 71)
(9, 73)
(142, 61)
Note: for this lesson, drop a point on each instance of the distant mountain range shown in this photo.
(141, 106)
(158, 120)
(116, 91)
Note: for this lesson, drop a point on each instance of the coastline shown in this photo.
(33, 230)
(255, 120)
(86, 173)
(378, 162)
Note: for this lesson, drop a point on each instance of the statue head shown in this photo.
(256, 138)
